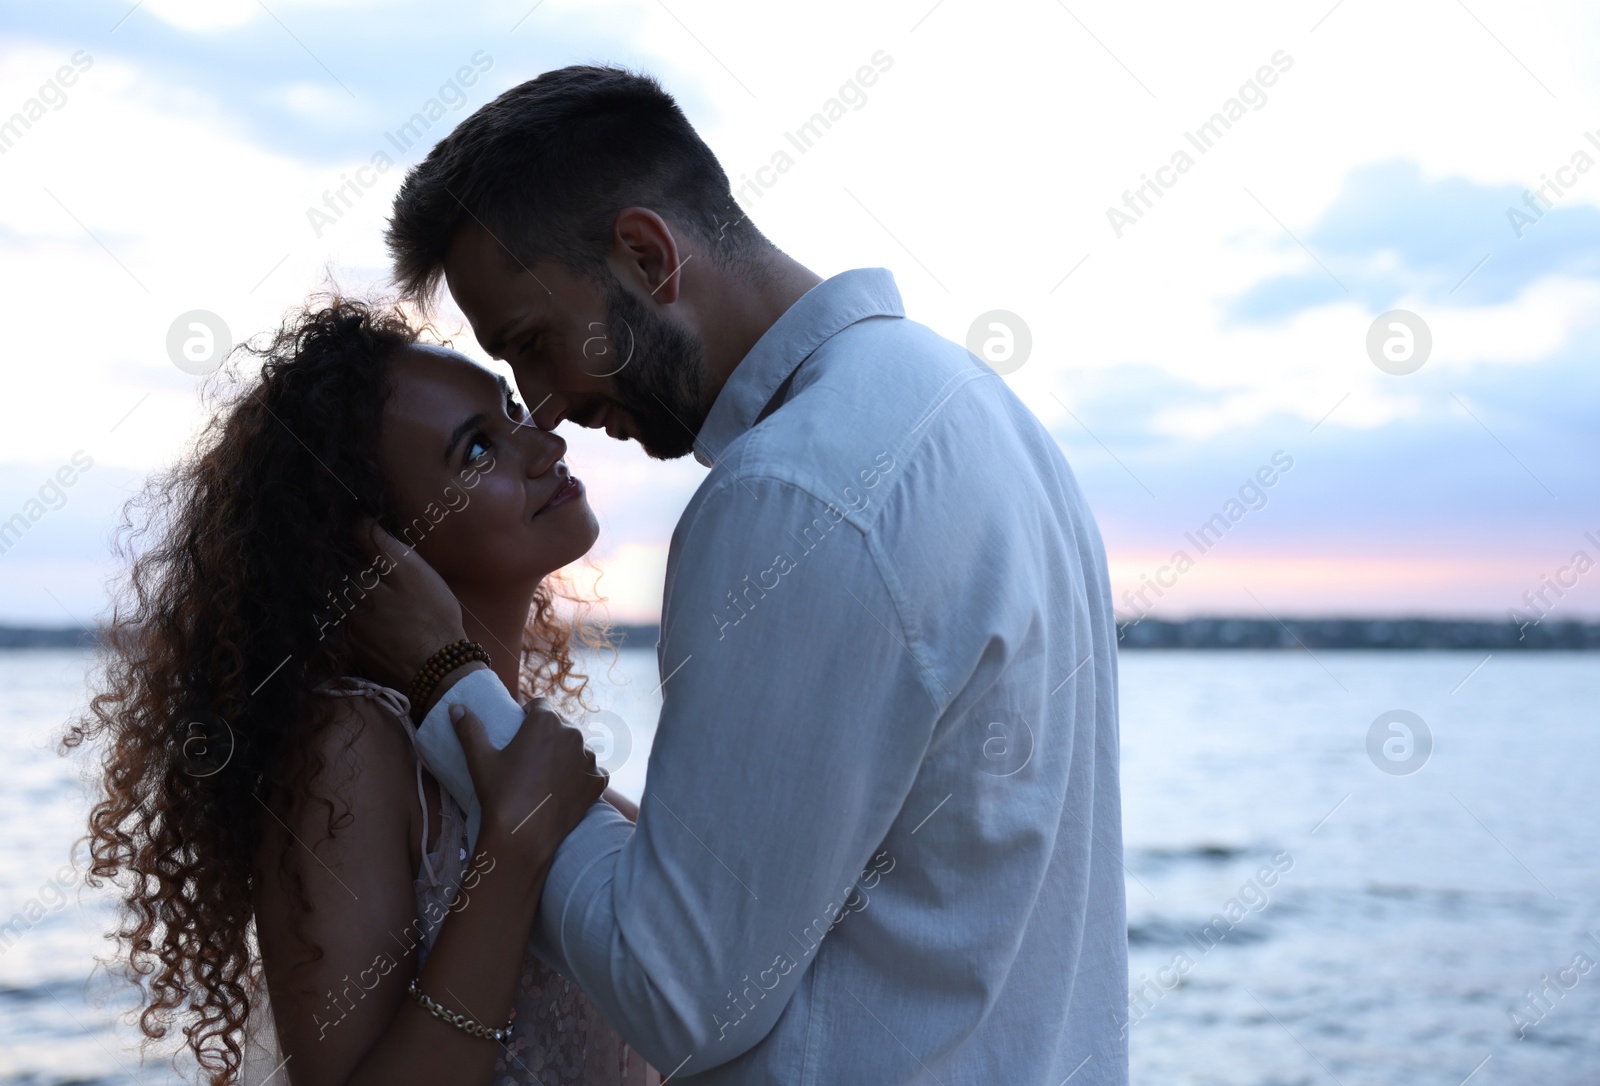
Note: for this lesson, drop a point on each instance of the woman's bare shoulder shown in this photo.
(352, 731)
(356, 781)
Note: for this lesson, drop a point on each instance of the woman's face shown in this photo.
(479, 490)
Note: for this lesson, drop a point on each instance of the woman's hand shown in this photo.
(629, 809)
(535, 790)
(404, 616)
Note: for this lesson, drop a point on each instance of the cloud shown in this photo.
(310, 81)
(201, 16)
(180, 172)
(1392, 235)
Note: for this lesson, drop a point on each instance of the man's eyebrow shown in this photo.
(461, 431)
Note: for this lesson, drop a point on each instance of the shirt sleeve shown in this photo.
(795, 715)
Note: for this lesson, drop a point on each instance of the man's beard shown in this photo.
(661, 384)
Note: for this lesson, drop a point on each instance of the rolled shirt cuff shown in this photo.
(440, 750)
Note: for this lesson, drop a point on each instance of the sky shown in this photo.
(1201, 218)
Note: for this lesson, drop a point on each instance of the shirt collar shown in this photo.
(819, 314)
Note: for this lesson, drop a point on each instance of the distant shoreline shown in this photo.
(78, 637)
(1401, 634)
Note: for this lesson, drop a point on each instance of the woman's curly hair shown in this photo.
(220, 632)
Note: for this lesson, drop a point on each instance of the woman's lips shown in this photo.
(571, 491)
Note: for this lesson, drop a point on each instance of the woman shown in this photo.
(263, 804)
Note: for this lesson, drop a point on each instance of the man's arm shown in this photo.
(795, 717)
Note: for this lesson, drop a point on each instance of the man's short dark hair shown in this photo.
(545, 168)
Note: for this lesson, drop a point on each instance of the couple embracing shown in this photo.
(880, 837)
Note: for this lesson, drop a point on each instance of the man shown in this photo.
(881, 838)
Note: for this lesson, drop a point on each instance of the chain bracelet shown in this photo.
(460, 1021)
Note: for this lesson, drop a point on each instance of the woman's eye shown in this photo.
(514, 408)
(477, 449)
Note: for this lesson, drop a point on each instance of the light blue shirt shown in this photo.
(881, 837)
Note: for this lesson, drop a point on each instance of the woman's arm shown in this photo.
(629, 809)
(344, 1019)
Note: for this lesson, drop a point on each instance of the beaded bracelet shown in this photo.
(460, 1021)
(442, 663)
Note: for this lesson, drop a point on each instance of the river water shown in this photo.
(1304, 908)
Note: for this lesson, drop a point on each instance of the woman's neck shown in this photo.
(496, 619)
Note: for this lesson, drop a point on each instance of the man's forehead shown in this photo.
(491, 291)
(477, 262)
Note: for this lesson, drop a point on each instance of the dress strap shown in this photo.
(399, 707)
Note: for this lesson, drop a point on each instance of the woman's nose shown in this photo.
(544, 448)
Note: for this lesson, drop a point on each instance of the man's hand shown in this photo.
(408, 616)
(535, 790)
(629, 809)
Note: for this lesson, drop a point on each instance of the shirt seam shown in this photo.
(891, 586)
(904, 451)
(895, 592)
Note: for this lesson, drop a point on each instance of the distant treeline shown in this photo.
(23, 637)
(1356, 633)
(72, 637)
(1153, 633)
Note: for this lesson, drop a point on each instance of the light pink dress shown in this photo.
(558, 1034)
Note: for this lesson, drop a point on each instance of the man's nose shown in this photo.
(545, 406)
(546, 409)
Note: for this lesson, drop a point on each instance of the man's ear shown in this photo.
(646, 254)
